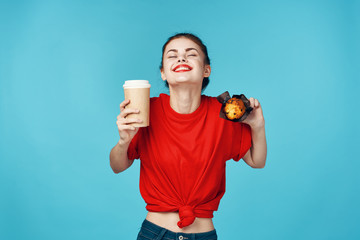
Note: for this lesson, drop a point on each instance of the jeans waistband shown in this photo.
(170, 235)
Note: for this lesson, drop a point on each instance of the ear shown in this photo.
(207, 71)
(163, 75)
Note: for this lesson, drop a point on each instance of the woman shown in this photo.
(184, 151)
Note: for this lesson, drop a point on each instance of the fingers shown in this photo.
(124, 123)
(123, 104)
(128, 111)
(257, 104)
(126, 127)
(123, 127)
(121, 120)
(254, 103)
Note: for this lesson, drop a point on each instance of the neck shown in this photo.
(185, 100)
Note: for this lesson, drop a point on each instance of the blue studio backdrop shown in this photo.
(62, 67)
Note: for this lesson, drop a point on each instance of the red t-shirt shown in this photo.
(183, 157)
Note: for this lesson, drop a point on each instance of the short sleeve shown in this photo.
(241, 147)
(133, 150)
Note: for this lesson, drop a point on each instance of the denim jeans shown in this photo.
(151, 231)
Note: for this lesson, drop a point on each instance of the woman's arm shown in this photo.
(119, 160)
(256, 156)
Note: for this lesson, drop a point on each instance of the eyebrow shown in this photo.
(186, 50)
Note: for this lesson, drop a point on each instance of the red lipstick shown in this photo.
(183, 68)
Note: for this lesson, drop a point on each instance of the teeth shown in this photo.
(182, 68)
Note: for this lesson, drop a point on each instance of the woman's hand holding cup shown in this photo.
(126, 131)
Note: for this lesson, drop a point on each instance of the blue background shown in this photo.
(62, 66)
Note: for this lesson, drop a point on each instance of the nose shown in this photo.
(182, 59)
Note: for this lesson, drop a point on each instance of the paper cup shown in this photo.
(138, 91)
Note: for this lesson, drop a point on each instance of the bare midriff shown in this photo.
(169, 221)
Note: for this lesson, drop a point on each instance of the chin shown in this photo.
(182, 79)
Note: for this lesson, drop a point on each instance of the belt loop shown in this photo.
(161, 234)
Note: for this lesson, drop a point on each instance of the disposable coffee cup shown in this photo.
(138, 91)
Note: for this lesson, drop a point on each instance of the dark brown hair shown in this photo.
(196, 40)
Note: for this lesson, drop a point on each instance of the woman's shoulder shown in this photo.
(212, 101)
(161, 96)
(155, 98)
(159, 103)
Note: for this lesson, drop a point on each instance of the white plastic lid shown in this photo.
(136, 84)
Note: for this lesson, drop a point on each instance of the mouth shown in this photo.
(182, 68)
